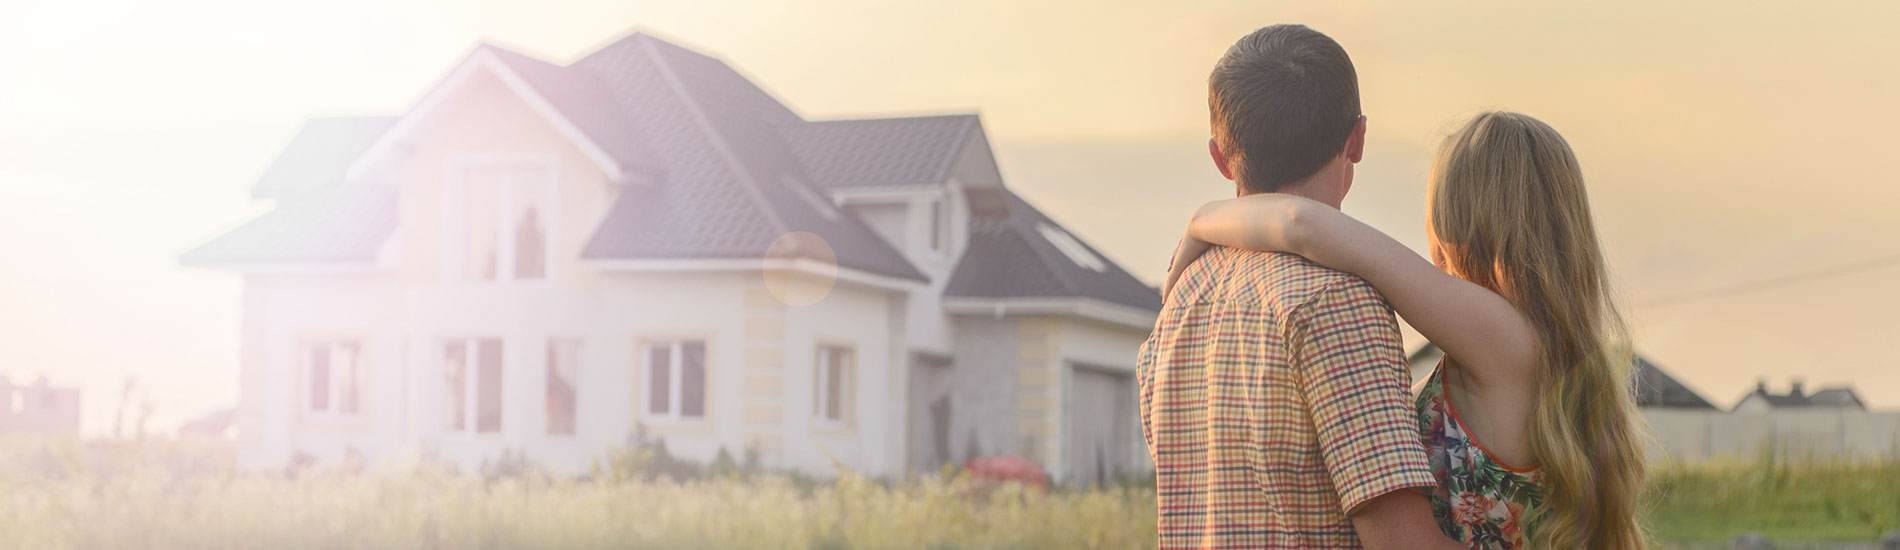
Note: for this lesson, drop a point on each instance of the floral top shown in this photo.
(1479, 500)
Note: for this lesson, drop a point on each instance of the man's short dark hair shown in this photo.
(1284, 101)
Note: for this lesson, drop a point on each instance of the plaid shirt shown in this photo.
(1274, 400)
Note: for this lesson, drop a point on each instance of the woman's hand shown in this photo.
(1266, 221)
(1185, 253)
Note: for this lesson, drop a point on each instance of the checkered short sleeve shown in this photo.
(1351, 372)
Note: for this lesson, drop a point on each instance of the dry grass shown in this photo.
(184, 496)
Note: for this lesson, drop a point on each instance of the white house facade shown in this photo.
(552, 258)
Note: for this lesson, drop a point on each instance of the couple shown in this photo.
(1274, 392)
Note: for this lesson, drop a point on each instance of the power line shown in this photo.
(1767, 284)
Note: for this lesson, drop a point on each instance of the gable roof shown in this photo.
(732, 170)
(1833, 397)
(568, 100)
(318, 154)
(1011, 255)
(1836, 397)
(1654, 386)
(855, 153)
(728, 184)
(588, 104)
(732, 186)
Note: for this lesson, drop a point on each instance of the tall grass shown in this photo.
(180, 495)
(141, 498)
(1783, 499)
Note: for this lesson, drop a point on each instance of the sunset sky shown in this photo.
(1724, 144)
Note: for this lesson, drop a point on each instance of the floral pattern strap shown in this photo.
(1479, 500)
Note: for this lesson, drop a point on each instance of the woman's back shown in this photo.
(1480, 500)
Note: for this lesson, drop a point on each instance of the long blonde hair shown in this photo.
(1508, 204)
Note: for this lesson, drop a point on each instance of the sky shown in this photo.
(1724, 143)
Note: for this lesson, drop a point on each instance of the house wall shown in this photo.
(759, 360)
(891, 220)
(283, 312)
(1015, 389)
(983, 415)
(1089, 346)
(871, 323)
(484, 120)
(1752, 403)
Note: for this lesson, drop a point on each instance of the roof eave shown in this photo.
(1087, 308)
(802, 265)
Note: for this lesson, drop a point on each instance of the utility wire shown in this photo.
(1767, 284)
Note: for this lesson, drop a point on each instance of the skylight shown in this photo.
(1070, 247)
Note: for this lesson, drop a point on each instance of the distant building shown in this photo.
(1832, 422)
(1837, 397)
(38, 409)
(552, 258)
(1655, 388)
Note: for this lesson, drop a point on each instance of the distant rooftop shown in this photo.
(1655, 388)
(1842, 397)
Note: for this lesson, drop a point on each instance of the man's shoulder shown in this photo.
(1265, 278)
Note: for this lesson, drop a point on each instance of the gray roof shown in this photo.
(729, 183)
(881, 151)
(732, 186)
(587, 103)
(733, 170)
(345, 223)
(1009, 257)
(1835, 397)
(1654, 386)
(318, 155)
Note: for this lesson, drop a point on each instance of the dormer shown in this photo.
(504, 169)
(907, 178)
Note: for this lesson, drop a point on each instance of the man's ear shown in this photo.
(1356, 143)
(1220, 160)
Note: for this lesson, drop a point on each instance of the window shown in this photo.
(1074, 249)
(676, 380)
(563, 369)
(330, 378)
(832, 403)
(503, 222)
(471, 385)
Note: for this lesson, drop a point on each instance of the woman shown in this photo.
(1529, 421)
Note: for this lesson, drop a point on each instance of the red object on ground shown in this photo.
(1004, 468)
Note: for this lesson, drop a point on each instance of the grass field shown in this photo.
(166, 496)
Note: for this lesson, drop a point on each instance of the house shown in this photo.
(1655, 388)
(551, 258)
(38, 408)
(1760, 400)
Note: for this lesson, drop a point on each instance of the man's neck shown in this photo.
(1313, 188)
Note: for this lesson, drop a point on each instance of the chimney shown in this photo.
(1761, 386)
(1794, 387)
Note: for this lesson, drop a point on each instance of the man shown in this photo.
(1273, 391)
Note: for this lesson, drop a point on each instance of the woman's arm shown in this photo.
(1256, 222)
(1484, 331)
